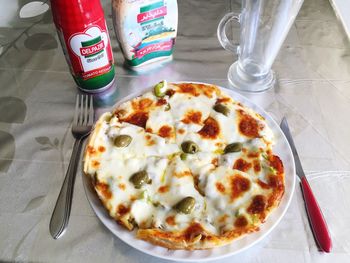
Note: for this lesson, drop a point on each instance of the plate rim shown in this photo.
(241, 98)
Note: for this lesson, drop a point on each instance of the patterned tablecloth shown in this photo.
(37, 96)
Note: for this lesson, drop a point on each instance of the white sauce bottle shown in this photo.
(146, 29)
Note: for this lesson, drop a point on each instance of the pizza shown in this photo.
(186, 166)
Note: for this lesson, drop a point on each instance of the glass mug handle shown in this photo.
(225, 43)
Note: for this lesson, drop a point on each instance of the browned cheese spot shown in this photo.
(239, 185)
(220, 187)
(170, 220)
(192, 117)
(257, 205)
(211, 129)
(241, 221)
(101, 149)
(242, 165)
(248, 126)
(163, 189)
(103, 189)
(165, 131)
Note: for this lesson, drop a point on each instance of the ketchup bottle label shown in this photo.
(90, 49)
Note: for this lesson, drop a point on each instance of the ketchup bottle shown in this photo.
(83, 33)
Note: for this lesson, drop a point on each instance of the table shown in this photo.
(37, 101)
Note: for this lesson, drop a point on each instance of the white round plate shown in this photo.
(281, 148)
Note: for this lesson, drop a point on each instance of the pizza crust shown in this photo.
(200, 240)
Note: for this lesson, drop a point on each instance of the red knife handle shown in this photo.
(317, 221)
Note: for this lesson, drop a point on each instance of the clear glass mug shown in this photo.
(264, 25)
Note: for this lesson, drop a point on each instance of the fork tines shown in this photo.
(84, 110)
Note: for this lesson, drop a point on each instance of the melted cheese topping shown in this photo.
(227, 188)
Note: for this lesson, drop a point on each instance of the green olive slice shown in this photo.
(222, 109)
(186, 205)
(183, 156)
(167, 107)
(139, 179)
(160, 89)
(122, 140)
(233, 147)
(189, 147)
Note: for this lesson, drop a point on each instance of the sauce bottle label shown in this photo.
(83, 33)
(90, 50)
(149, 30)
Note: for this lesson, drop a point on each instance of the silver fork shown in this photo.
(82, 125)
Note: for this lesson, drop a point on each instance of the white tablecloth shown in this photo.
(37, 102)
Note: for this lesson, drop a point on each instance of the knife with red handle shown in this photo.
(316, 219)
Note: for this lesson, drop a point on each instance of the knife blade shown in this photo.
(316, 218)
